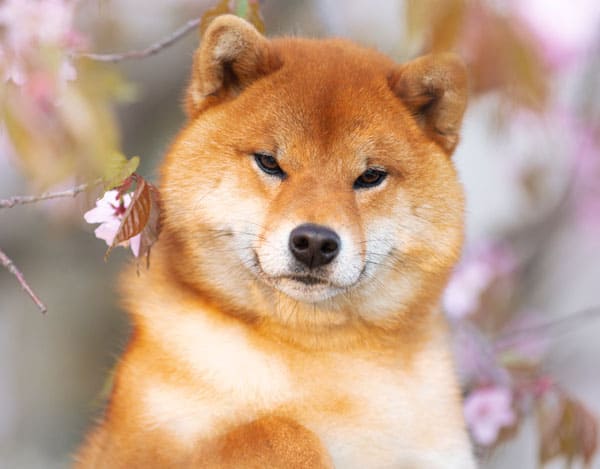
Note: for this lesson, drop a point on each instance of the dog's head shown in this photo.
(315, 175)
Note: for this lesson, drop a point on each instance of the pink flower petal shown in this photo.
(134, 244)
(459, 299)
(105, 208)
(109, 198)
(487, 410)
(483, 264)
(107, 231)
(100, 214)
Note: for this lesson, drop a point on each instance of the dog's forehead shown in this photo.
(332, 96)
(330, 79)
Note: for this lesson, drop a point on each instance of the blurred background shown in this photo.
(524, 303)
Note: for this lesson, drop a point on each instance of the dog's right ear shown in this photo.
(434, 90)
(231, 56)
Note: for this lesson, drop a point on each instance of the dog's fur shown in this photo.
(233, 362)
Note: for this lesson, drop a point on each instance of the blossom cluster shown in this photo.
(500, 344)
(37, 36)
(483, 266)
(109, 211)
(57, 116)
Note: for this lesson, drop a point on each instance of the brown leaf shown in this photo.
(439, 23)
(152, 228)
(141, 217)
(500, 52)
(448, 26)
(587, 429)
(136, 215)
(567, 429)
(515, 67)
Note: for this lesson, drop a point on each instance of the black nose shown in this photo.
(314, 245)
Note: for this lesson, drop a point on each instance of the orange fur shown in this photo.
(233, 363)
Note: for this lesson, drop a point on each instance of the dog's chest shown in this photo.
(367, 413)
(393, 417)
(374, 420)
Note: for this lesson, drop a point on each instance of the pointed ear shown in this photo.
(434, 89)
(231, 56)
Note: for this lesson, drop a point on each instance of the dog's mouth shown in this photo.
(302, 286)
(307, 279)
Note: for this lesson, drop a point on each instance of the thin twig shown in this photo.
(148, 51)
(29, 199)
(12, 268)
(515, 337)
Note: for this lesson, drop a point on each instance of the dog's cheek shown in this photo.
(272, 248)
(350, 263)
(242, 221)
(391, 230)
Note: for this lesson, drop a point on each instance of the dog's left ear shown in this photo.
(231, 56)
(434, 89)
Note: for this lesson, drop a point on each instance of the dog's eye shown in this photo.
(268, 164)
(370, 178)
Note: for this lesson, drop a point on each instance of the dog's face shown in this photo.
(315, 173)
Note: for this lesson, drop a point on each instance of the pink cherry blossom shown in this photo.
(582, 141)
(31, 29)
(566, 31)
(463, 292)
(482, 265)
(587, 161)
(487, 410)
(109, 211)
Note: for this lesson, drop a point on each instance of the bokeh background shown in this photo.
(529, 286)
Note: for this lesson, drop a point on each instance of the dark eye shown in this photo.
(370, 178)
(268, 164)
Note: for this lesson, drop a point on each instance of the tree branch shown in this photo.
(518, 336)
(12, 268)
(148, 51)
(29, 199)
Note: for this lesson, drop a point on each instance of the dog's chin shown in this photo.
(306, 289)
(304, 286)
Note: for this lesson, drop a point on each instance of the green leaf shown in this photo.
(117, 169)
(241, 9)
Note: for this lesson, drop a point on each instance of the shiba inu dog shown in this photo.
(290, 317)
